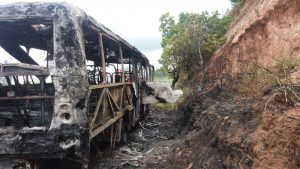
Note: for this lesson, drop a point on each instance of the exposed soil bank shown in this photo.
(228, 130)
(263, 32)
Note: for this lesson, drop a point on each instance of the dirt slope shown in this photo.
(263, 32)
(228, 130)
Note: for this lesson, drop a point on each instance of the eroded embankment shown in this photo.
(262, 33)
(229, 130)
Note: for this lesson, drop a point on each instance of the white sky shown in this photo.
(137, 21)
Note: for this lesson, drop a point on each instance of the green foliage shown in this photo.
(159, 107)
(233, 2)
(190, 42)
(161, 74)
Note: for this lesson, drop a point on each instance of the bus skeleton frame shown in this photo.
(81, 105)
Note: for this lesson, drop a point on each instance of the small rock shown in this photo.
(178, 154)
(226, 118)
(189, 166)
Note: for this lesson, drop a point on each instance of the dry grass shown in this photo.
(261, 79)
(253, 84)
(164, 106)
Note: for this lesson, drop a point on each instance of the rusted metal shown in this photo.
(100, 86)
(111, 101)
(21, 69)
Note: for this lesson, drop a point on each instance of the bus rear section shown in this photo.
(43, 84)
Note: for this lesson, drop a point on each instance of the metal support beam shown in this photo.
(122, 63)
(102, 59)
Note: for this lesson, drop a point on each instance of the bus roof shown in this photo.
(46, 11)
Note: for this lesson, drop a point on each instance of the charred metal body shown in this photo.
(55, 111)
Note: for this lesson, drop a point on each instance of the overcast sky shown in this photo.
(137, 21)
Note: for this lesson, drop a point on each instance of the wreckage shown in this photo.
(89, 90)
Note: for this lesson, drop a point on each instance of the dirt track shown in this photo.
(149, 144)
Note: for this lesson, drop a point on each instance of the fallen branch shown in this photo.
(149, 151)
(145, 128)
(152, 132)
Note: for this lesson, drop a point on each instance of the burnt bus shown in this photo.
(88, 90)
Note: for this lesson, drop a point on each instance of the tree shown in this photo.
(233, 2)
(189, 43)
(161, 74)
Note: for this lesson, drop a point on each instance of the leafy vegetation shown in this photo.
(161, 74)
(189, 42)
(233, 2)
(160, 107)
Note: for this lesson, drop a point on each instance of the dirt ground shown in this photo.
(149, 144)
